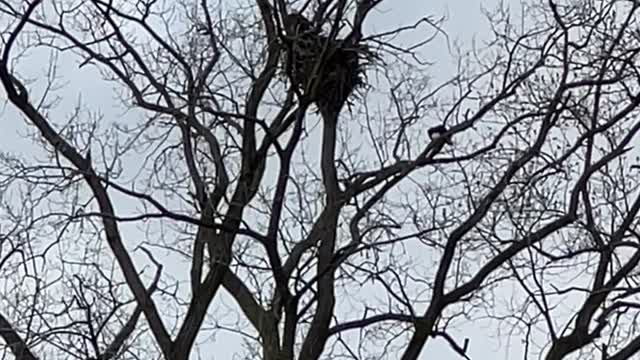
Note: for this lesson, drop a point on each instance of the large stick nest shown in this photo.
(327, 70)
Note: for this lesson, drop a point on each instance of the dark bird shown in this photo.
(437, 132)
(296, 24)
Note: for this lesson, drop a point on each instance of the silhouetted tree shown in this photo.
(335, 231)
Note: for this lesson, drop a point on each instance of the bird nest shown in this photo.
(326, 70)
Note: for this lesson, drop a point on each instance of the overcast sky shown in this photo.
(464, 22)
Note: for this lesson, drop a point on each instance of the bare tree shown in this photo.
(274, 156)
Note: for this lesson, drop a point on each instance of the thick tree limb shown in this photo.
(14, 341)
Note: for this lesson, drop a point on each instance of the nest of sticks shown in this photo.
(327, 70)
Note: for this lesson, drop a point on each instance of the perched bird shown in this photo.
(437, 132)
(296, 25)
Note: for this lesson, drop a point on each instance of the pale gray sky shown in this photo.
(464, 23)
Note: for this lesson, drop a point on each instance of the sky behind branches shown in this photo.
(464, 24)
